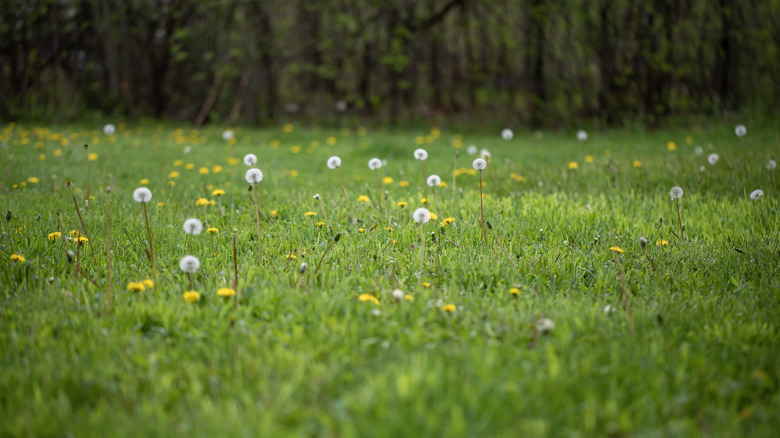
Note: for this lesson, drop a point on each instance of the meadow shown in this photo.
(584, 308)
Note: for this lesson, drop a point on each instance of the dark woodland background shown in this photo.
(534, 62)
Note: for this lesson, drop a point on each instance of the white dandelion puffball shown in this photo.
(676, 193)
(142, 194)
(227, 134)
(608, 309)
(253, 176)
(582, 135)
(421, 154)
(545, 325)
(193, 226)
(771, 165)
(398, 294)
(713, 159)
(756, 194)
(421, 215)
(374, 163)
(507, 134)
(334, 162)
(699, 150)
(250, 159)
(471, 150)
(189, 264)
(109, 129)
(341, 106)
(187, 149)
(479, 164)
(484, 153)
(740, 130)
(433, 180)
(317, 196)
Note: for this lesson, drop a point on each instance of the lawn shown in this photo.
(586, 308)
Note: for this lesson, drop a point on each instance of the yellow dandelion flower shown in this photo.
(573, 165)
(287, 127)
(637, 163)
(448, 308)
(616, 248)
(203, 170)
(274, 214)
(426, 284)
(403, 184)
(361, 230)
(81, 239)
(42, 157)
(216, 169)
(149, 284)
(293, 173)
(75, 233)
(178, 163)
(320, 224)
(442, 184)
(161, 204)
(409, 297)
(434, 216)
(363, 198)
(191, 296)
(331, 140)
(32, 180)
(275, 143)
(92, 157)
(514, 291)
(218, 192)
(189, 166)
(233, 161)
(295, 149)
(387, 180)
(688, 140)
(291, 256)
(424, 200)
(212, 230)
(135, 286)
(310, 213)
(401, 204)
(54, 235)
(369, 298)
(389, 228)
(516, 177)
(447, 220)
(144, 181)
(171, 183)
(361, 130)
(588, 159)
(173, 174)
(225, 292)
(672, 146)
(57, 152)
(662, 242)
(202, 202)
(17, 258)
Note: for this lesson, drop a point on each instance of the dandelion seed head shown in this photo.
(545, 325)
(421, 154)
(756, 194)
(699, 150)
(374, 163)
(254, 176)
(228, 135)
(187, 149)
(608, 309)
(582, 135)
(189, 264)
(713, 159)
(250, 159)
(109, 129)
(193, 226)
(421, 215)
(472, 150)
(317, 196)
(398, 294)
(142, 195)
(507, 134)
(479, 164)
(676, 193)
(771, 165)
(740, 130)
(341, 106)
(434, 180)
(334, 162)
(484, 153)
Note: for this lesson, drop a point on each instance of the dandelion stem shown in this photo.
(59, 223)
(335, 239)
(83, 226)
(436, 196)
(346, 198)
(257, 218)
(192, 281)
(626, 302)
(109, 256)
(454, 172)
(422, 250)
(378, 189)
(235, 270)
(679, 221)
(481, 209)
(761, 207)
(8, 232)
(425, 185)
(150, 236)
(498, 239)
(322, 207)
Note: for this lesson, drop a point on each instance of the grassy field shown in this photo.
(464, 352)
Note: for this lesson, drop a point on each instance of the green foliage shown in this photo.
(302, 355)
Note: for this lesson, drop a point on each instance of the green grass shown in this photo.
(301, 355)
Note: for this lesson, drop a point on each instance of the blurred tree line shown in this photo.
(537, 62)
